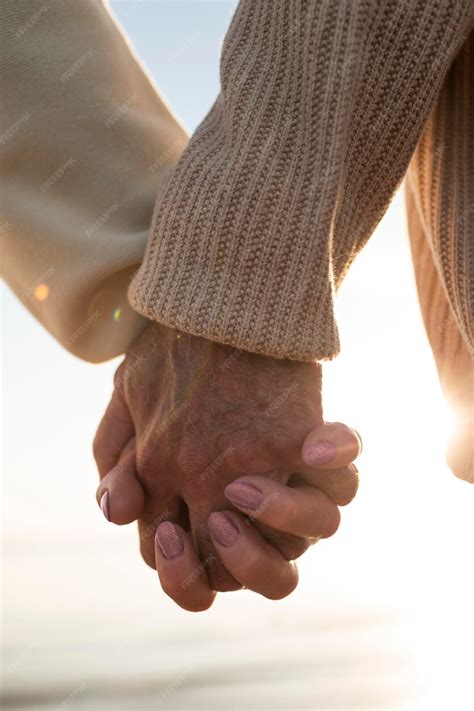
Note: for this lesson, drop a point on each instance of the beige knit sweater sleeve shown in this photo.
(84, 140)
(322, 104)
(440, 204)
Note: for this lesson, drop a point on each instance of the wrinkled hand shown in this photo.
(189, 417)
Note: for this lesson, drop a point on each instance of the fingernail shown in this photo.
(223, 529)
(104, 505)
(244, 495)
(168, 540)
(320, 453)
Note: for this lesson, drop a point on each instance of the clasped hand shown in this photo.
(224, 459)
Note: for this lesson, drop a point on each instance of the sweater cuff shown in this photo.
(209, 272)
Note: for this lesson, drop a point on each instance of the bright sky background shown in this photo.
(383, 615)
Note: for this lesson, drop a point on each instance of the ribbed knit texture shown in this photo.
(440, 201)
(322, 104)
(441, 176)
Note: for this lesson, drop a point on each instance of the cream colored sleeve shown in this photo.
(84, 140)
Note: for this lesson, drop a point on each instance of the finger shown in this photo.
(340, 485)
(249, 558)
(158, 510)
(326, 461)
(113, 434)
(182, 575)
(120, 494)
(291, 547)
(330, 446)
(304, 511)
(219, 577)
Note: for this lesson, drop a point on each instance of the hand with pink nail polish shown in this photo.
(224, 458)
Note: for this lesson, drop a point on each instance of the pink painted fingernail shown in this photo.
(223, 529)
(244, 495)
(168, 540)
(104, 505)
(320, 453)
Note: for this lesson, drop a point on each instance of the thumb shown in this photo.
(114, 432)
(330, 446)
(326, 461)
(120, 494)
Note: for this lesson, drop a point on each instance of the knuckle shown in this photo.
(346, 485)
(200, 607)
(198, 601)
(285, 586)
(292, 547)
(119, 376)
(332, 523)
(101, 453)
(348, 495)
(97, 447)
